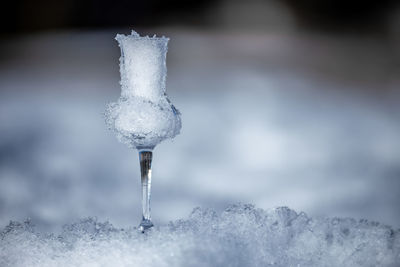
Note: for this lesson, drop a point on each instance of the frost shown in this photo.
(240, 236)
(143, 116)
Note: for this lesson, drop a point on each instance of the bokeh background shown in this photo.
(284, 103)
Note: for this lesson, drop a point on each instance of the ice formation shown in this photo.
(240, 236)
(143, 116)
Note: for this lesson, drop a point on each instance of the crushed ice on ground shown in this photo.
(240, 236)
(143, 116)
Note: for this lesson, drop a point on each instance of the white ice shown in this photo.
(240, 236)
(143, 116)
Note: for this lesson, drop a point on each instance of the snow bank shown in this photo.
(240, 236)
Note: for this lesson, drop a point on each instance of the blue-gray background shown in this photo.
(277, 110)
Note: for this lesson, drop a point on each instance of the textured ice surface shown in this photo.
(143, 116)
(239, 236)
(143, 65)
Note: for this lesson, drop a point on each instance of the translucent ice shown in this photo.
(239, 236)
(143, 116)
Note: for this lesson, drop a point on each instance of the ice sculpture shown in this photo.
(143, 116)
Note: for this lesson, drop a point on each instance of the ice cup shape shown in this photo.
(143, 116)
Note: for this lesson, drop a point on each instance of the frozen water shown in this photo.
(240, 236)
(143, 116)
(142, 65)
(142, 123)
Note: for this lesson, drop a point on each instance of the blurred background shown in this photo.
(284, 103)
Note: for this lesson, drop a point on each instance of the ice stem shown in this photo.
(145, 157)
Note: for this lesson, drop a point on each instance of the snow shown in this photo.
(242, 235)
(143, 65)
(141, 123)
(143, 116)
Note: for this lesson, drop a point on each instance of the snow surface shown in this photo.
(143, 115)
(239, 236)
